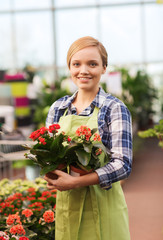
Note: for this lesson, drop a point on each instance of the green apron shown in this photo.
(90, 213)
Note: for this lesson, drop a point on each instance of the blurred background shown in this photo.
(34, 39)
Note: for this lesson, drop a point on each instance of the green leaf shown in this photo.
(83, 156)
(93, 130)
(39, 152)
(100, 145)
(57, 143)
(87, 147)
(48, 169)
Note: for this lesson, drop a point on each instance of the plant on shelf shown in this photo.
(48, 95)
(156, 131)
(139, 94)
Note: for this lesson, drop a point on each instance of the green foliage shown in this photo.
(156, 131)
(48, 95)
(138, 95)
(17, 195)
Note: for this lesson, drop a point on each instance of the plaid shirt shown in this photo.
(115, 128)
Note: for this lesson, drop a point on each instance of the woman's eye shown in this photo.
(93, 64)
(76, 64)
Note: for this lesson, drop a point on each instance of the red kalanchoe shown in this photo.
(48, 216)
(17, 229)
(84, 132)
(12, 219)
(68, 139)
(97, 137)
(43, 130)
(42, 140)
(27, 212)
(23, 238)
(98, 151)
(53, 128)
(46, 194)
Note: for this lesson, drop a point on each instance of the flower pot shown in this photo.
(74, 171)
(52, 175)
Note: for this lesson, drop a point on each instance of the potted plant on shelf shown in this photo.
(156, 131)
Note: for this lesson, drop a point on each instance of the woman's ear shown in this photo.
(104, 69)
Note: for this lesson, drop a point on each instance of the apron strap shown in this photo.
(65, 112)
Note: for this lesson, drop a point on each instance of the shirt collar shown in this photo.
(98, 100)
(65, 104)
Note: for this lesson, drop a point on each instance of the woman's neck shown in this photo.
(84, 99)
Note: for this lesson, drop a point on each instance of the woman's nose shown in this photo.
(84, 69)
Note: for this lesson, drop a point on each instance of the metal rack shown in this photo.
(10, 150)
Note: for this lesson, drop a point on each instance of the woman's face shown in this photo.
(86, 68)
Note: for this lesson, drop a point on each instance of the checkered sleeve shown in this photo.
(119, 143)
(54, 113)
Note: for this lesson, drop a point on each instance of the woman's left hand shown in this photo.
(63, 181)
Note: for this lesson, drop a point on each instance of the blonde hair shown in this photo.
(87, 42)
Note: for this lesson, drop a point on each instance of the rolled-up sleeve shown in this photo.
(119, 143)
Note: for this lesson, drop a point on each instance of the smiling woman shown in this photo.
(85, 209)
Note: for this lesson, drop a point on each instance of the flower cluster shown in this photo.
(84, 133)
(54, 149)
(27, 215)
(87, 148)
(49, 149)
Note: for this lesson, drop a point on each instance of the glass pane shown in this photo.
(71, 25)
(5, 5)
(63, 3)
(6, 53)
(121, 34)
(154, 32)
(34, 38)
(117, 1)
(29, 4)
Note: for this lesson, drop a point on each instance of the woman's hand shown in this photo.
(62, 181)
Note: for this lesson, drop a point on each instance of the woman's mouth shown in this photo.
(84, 79)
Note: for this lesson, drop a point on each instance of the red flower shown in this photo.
(23, 238)
(48, 216)
(43, 130)
(27, 212)
(53, 128)
(17, 229)
(98, 151)
(46, 194)
(42, 140)
(69, 139)
(2, 238)
(97, 137)
(84, 132)
(31, 189)
(12, 219)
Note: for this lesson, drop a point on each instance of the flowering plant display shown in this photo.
(27, 213)
(52, 149)
(49, 149)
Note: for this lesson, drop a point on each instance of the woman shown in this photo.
(92, 206)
